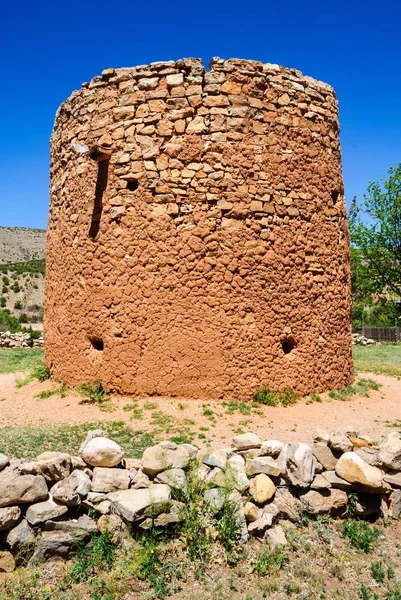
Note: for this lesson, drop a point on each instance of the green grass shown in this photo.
(30, 441)
(20, 359)
(360, 388)
(382, 360)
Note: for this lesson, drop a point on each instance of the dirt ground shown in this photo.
(371, 416)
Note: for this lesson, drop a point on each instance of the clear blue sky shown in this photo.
(47, 49)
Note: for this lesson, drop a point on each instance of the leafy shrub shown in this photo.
(41, 372)
(18, 305)
(93, 391)
(360, 535)
(9, 323)
(286, 397)
(3, 302)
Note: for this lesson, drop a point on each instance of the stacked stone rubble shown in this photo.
(19, 340)
(45, 504)
(209, 254)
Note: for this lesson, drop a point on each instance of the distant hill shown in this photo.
(19, 244)
(22, 270)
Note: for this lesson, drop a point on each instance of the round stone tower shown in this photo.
(197, 240)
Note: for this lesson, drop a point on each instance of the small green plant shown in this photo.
(137, 414)
(360, 535)
(351, 505)
(270, 561)
(194, 527)
(60, 391)
(367, 594)
(227, 524)
(24, 554)
(93, 392)
(146, 562)
(313, 397)
(41, 372)
(96, 556)
(150, 405)
(378, 571)
(286, 397)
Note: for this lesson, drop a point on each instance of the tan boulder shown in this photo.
(251, 512)
(261, 488)
(318, 502)
(7, 562)
(353, 469)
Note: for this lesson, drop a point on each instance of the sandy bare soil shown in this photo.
(368, 415)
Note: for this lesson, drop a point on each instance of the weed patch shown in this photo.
(99, 554)
(361, 388)
(360, 535)
(270, 561)
(93, 392)
(286, 397)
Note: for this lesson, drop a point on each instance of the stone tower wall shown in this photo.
(210, 254)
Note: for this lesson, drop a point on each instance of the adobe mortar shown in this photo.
(208, 253)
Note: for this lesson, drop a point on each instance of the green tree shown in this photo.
(378, 238)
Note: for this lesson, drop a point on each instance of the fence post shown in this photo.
(363, 325)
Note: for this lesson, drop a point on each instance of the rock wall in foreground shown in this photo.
(209, 255)
(45, 503)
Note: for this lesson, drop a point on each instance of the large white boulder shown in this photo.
(353, 469)
(102, 452)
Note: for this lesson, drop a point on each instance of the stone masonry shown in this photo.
(200, 248)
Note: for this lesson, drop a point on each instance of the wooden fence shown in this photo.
(382, 334)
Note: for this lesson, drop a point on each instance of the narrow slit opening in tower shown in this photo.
(97, 343)
(287, 346)
(132, 185)
(335, 196)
